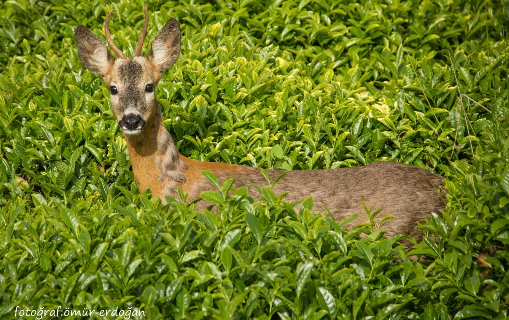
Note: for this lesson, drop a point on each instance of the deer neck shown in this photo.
(155, 160)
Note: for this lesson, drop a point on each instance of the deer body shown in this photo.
(406, 192)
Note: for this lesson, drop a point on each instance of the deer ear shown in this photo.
(92, 51)
(166, 46)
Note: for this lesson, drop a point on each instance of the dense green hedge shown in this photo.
(273, 84)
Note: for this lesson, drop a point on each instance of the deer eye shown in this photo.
(149, 87)
(113, 90)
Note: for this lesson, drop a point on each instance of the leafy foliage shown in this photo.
(273, 84)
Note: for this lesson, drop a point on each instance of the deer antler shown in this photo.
(139, 46)
(108, 37)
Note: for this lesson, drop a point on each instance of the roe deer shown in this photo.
(408, 193)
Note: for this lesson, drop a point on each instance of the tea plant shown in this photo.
(277, 85)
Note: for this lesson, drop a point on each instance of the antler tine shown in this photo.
(139, 46)
(108, 37)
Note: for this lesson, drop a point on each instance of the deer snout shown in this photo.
(132, 123)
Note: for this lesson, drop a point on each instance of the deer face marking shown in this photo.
(132, 81)
(132, 94)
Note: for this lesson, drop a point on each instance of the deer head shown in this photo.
(131, 80)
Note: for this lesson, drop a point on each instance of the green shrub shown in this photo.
(276, 85)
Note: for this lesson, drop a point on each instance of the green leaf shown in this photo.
(299, 228)
(212, 196)
(226, 187)
(349, 219)
(365, 251)
(100, 250)
(381, 299)
(45, 262)
(465, 75)
(269, 195)
(231, 238)
(191, 255)
(69, 287)
(226, 259)
(358, 303)
(277, 151)
(430, 313)
(213, 86)
(254, 224)
(149, 295)
(472, 284)
(473, 311)
(386, 54)
(183, 301)
(399, 56)
(169, 262)
(95, 152)
(429, 38)
(70, 219)
(171, 240)
(303, 272)
(173, 288)
(499, 224)
(504, 179)
(84, 238)
(308, 203)
(326, 300)
(132, 267)
(340, 242)
(212, 178)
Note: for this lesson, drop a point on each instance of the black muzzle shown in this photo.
(132, 122)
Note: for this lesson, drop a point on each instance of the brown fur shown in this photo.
(406, 192)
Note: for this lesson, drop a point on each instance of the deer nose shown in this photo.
(132, 122)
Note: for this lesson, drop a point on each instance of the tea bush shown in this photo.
(271, 84)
